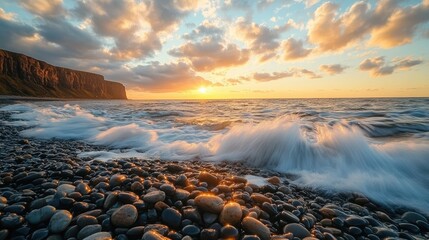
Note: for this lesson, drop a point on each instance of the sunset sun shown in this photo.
(202, 90)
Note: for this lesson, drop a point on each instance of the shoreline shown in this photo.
(47, 190)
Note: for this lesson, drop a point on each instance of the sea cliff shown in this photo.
(25, 76)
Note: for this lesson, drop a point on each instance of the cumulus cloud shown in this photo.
(44, 8)
(333, 69)
(261, 40)
(165, 14)
(378, 67)
(388, 24)
(401, 26)
(170, 77)
(210, 54)
(205, 29)
(294, 49)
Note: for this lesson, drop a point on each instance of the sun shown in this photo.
(202, 90)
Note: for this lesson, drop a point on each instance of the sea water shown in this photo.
(378, 147)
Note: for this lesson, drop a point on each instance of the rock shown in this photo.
(260, 198)
(154, 196)
(413, 217)
(209, 203)
(125, 216)
(40, 234)
(274, 180)
(171, 217)
(99, 236)
(231, 214)
(153, 235)
(250, 237)
(209, 234)
(59, 221)
(289, 217)
(356, 221)
(229, 232)
(254, 226)
(209, 178)
(85, 220)
(111, 199)
(136, 232)
(297, 230)
(137, 187)
(40, 215)
(88, 231)
(385, 233)
(11, 221)
(117, 180)
(169, 189)
(83, 188)
(182, 194)
(209, 217)
(3, 234)
(66, 188)
(128, 197)
(192, 214)
(191, 230)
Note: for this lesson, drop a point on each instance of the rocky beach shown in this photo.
(48, 192)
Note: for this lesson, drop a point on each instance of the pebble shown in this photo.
(117, 180)
(413, 217)
(260, 198)
(40, 234)
(229, 232)
(297, 230)
(40, 215)
(124, 216)
(99, 236)
(171, 217)
(66, 188)
(60, 221)
(11, 221)
(154, 196)
(209, 203)
(88, 231)
(254, 226)
(209, 178)
(231, 214)
(356, 221)
(83, 188)
(153, 235)
(191, 230)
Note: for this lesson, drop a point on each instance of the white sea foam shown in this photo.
(331, 155)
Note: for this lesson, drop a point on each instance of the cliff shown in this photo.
(25, 76)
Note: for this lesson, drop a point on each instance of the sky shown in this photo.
(187, 49)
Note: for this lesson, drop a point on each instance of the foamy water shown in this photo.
(379, 147)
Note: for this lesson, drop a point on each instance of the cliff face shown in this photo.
(26, 76)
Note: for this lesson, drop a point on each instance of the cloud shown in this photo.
(401, 26)
(378, 66)
(69, 37)
(44, 8)
(210, 54)
(293, 72)
(165, 14)
(265, 77)
(172, 77)
(205, 29)
(261, 40)
(294, 49)
(333, 69)
(387, 24)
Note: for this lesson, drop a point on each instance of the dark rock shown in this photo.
(59, 221)
(191, 230)
(11, 221)
(171, 217)
(297, 230)
(125, 216)
(88, 231)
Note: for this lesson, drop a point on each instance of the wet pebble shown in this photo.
(124, 216)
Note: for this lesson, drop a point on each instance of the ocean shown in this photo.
(378, 147)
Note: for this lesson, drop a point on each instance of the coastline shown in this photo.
(142, 199)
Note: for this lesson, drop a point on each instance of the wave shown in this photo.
(329, 156)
